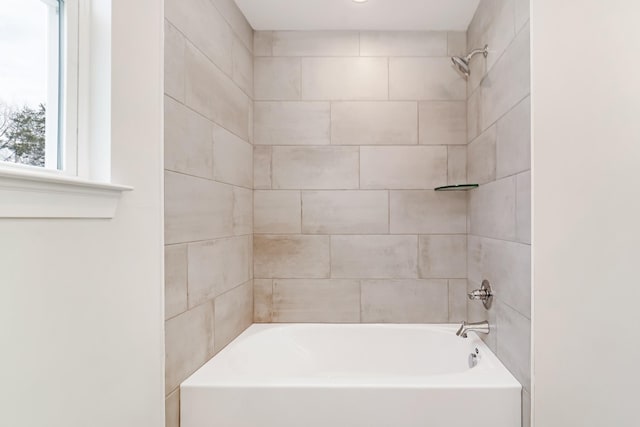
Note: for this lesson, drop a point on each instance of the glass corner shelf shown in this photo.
(458, 187)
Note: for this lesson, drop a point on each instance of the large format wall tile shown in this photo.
(508, 82)
(405, 301)
(499, 127)
(443, 123)
(196, 209)
(175, 280)
(276, 79)
(456, 43)
(174, 46)
(172, 410)
(481, 158)
(276, 212)
(233, 314)
(292, 123)
(522, 13)
(428, 212)
(344, 79)
(523, 207)
(375, 257)
(188, 141)
(492, 209)
(443, 256)
(473, 115)
(514, 343)
(315, 43)
(261, 167)
(214, 95)
(316, 300)
(345, 212)
(425, 79)
(217, 266)
(236, 20)
(203, 25)
(418, 167)
(262, 300)
(369, 193)
(262, 43)
(514, 140)
(374, 123)
(457, 165)
(189, 343)
(232, 159)
(403, 43)
(315, 168)
(494, 27)
(242, 211)
(291, 256)
(507, 265)
(242, 73)
(457, 300)
(208, 184)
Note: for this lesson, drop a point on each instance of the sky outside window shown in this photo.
(29, 80)
(23, 52)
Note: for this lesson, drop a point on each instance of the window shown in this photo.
(55, 100)
(31, 82)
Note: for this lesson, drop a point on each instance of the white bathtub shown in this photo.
(307, 375)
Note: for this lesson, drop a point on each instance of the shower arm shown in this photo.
(484, 51)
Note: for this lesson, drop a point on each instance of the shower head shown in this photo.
(462, 63)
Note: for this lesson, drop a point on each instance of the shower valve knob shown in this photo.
(483, 294)
(479, 294)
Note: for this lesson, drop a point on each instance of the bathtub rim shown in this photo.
(489, 374)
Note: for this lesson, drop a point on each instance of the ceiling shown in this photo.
(383, 15)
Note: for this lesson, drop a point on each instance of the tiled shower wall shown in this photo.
(499, 122)
(353, 130)
(208, 185)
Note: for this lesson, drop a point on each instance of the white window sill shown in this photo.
(35, 194)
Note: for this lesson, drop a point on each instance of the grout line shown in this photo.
(448, 300)
(360, 302)
(271, 167)
(497, 239)
(213, 239)
(448, 43)
(211, 61)
(273, 289)
(359, 167)
(389, 79)
(188, 107)
(330, 122)
(208, 179)
(233, 30)
(388, 211)
(448, 159)
(515, 198)
(188, 296)
(301, 76)
(301, 210)
(418, 121)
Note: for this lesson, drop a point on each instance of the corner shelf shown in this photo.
(458, 187)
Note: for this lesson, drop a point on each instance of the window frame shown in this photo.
(81, 187)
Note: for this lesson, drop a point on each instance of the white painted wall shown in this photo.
(586, 133)
(81, 311)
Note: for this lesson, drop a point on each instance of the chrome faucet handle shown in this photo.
(483, 294)
(480, 294)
